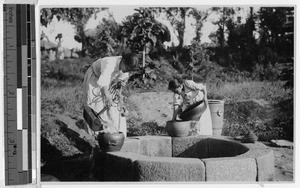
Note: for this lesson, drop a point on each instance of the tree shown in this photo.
(250, 50)
(75, 16)
(199, 56)
(225, 20)
(104, 40)
(241, 43)
(225, 17)
(177, 17)
(200, 17)
(274, 24)
(141, 30)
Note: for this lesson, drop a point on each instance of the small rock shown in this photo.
(238, 137)
(282, 143)
(261, 102)
(250, 138)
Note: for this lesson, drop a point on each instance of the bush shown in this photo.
(267, 122)
(268, 72)
(262, 129)
(287, 75)
(285, 118)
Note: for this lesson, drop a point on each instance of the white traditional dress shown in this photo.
(105, 72)
(193, 92)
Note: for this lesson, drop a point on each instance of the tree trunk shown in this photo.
(144, 59)
(83, 42)
(181, 28)
(144, 54)
(180, 37)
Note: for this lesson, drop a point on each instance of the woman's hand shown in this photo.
(124, 112)
(108, 101)
(177, 112)
(109, 128)
(107, 98)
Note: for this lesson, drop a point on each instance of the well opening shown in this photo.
(210, 148)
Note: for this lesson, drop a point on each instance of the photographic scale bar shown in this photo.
(19, 93)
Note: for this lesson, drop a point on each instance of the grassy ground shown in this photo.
(272, 92)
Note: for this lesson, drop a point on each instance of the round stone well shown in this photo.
(192, 158)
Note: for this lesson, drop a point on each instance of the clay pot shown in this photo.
(194, 111)
(110, 142)
(178, 128)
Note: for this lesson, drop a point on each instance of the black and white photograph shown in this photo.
(192, 94)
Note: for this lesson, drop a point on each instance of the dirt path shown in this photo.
(151, 107)
(284, 165)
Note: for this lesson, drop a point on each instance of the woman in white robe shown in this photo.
(103, 84)
(186, 93)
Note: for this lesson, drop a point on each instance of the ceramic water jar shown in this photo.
(110, 142)
(194, 111)
(178, 128)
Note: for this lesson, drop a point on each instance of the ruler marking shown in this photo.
(19, 109)
(24, 65)
(29, 149)
(11, 144)
(29, 84)
(24, 24)
(29, 111)
(25, 149)
(28, 13)
(10, 97)
(25, 177)
(19, 91)
(28, 39)
(19, 47)
(32, 17)
(20, 156)
(25, 108)
(29, 68)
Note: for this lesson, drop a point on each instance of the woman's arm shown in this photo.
(104, 79)
(194, 86)
(108, 100)
(177, 106)
(176, 112)
(197, 87)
